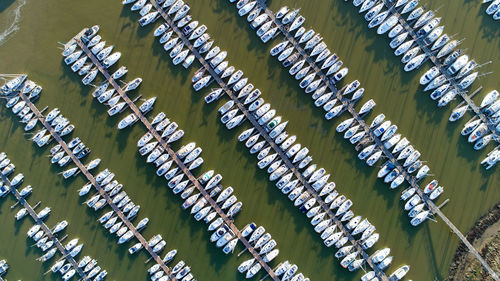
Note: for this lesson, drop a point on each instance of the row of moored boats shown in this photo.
(46, 242)
(455, 72)
(223, 235)
(114, 190)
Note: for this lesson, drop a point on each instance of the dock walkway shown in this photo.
(44, 227)
(271, 142)
(101, 191)
(409, 178)
(466, 98)
(176, 159)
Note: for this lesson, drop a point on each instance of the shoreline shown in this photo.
(484, 235)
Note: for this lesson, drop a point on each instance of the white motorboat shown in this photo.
(387, 24)
(429, 75)
(377, 20)
(395, 31)
(149, 18)
(111, 59)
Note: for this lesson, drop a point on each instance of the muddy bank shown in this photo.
(485, 236)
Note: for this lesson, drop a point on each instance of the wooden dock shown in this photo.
(44, 227)
(101, 191)
(454, 83)
(411, 180)
(176, 159)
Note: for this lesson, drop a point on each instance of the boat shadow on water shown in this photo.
(489, 27)
(243, 30)
(164, 62)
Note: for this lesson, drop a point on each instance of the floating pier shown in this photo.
(174, 156)
(92, 180)
(44, 227)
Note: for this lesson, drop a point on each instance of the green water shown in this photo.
(33, 49)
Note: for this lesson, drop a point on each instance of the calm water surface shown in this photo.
(33, 49)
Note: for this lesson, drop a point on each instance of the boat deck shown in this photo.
(176, 159)
(350, 108)
(462, 93)
(101, 191)
(44, 227)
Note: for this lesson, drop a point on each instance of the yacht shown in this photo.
(127, 121)
(374, 158)
(313, 41)
(258, 21)
(492, 109)
(349, 133)
(458, 113)
(90, 76)
(479, 132)
(25, 191)
(439, 92)
(433, 35)
(392, 141)
(470, 66)
(458, 64)
(403, 48)
(79, 64)
(245, 9)
(111, 60)
(279, 48)
(387, 24)
(69, 49)
(396, 30)
(409, 55)
(367, 107)
(138, 5)
(104, 53)
(373, 12)
(381, 129)
(428, 27)
(396, 42)
(440, 42)
(493, 7)
(429, 75)
(149, 18)
(377, 20)
(448, 48)
(254, 14)
(467, 81)
(390, 131)
(368, 4)
(16, 83)
(318, 49)
(21, 213)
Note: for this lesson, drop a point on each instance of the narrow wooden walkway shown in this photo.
(411, 180)
(101, 191)
(176, 159)
(454, 83)
(271, 142)
(44, 227)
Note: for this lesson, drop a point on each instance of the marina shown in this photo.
(271, 142)
(428, 249)
(443, 70)
(178, 161)
(83, 169)
(409, 178)
(46, 230)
